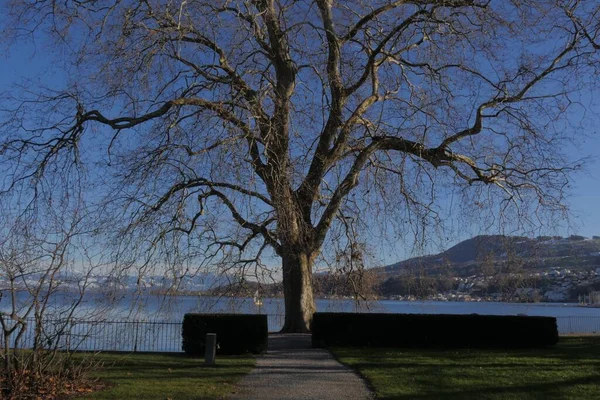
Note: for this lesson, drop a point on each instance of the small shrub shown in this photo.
(48, 374)
(236, 333)
(428, 330)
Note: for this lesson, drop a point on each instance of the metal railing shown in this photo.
(126, 336)
(159, 336)
(578, 325)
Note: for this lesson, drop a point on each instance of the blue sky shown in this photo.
(32, 63)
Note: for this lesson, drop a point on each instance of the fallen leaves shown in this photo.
(28, 385)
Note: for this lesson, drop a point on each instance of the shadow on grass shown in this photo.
(160, 376)
(545, 390)
(570, 370)
(141, 364)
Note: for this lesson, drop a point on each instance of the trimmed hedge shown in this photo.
(432, 330)
(236, 333)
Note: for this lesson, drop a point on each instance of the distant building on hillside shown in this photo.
(591, 298)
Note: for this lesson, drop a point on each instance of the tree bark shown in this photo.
(298, 291)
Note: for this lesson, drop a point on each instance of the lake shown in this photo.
(174, 307)
(153, 323)
(136, 306)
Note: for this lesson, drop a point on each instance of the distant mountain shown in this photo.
(488, 254)
(72, 280)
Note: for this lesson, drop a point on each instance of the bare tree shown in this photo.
(237, 131)
(39, 304)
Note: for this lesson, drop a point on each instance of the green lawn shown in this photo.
(569, 370)
(168, 376)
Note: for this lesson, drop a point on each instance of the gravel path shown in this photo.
(291, 369)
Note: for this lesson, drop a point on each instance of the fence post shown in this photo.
(210, 344)
(135, 340)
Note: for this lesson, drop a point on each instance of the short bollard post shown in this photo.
(210, 343)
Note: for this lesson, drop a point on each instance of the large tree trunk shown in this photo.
(298, 291)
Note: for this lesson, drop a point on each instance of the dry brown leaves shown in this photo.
(29, 386)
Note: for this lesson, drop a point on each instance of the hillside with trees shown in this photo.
(501, 265)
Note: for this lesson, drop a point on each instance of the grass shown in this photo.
(168, 376)
(569, 370)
